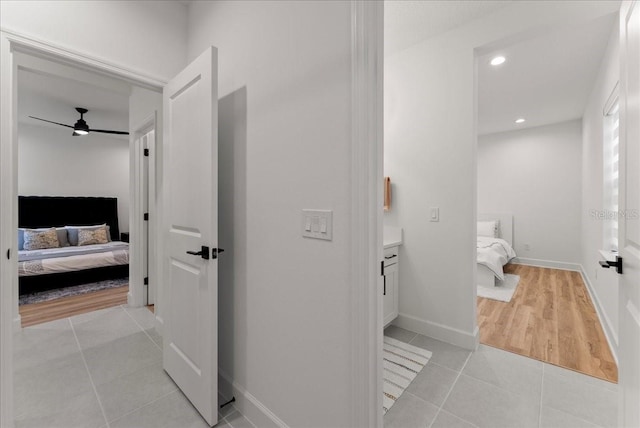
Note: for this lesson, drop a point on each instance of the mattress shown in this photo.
(73, 258)
(494, 253)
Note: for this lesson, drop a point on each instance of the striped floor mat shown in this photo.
(402, 363)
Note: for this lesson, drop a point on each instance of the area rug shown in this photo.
(503, 291)
(402, 363)
(45, 296)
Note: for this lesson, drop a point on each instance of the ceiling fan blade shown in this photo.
(50, 121)
(106, 131)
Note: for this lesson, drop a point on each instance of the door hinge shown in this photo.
(146, 280)
(382, 268)
(146, 152)
(146, 216)
(9, 254)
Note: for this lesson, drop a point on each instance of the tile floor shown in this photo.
(495, 388)
(100, 369)
(103, 369)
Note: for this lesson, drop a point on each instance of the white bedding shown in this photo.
(494, 253)
(68, 259)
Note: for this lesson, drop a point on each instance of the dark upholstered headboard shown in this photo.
(56, 211)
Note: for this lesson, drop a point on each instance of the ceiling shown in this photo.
(547, 79)
(409, 22)
(55, 98)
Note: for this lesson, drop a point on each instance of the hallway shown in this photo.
(100, 369)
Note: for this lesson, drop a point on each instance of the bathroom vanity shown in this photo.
(392, 241)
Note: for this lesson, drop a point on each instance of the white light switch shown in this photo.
(435, 214)
(317, 224)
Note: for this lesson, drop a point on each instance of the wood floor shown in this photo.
(37, 313)
(550, 318)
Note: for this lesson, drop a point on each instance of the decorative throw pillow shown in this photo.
(63, 241)
(40, 239)
(92, 236)
(72, 232)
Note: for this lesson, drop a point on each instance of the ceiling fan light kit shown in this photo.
(81, 127)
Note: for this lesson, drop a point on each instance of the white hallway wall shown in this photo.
(53, 163)
(536, 174)
(141, 35)
(285, 131)
(603, 282)
(430, 155)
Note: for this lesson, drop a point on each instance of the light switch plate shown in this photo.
(321, 222)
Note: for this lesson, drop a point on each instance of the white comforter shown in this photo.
(494, 253)
(67, 259)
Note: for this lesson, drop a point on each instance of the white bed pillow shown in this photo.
(488, 228)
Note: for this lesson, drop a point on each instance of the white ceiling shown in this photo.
(547, 79)
(55, 98)
(409, 22)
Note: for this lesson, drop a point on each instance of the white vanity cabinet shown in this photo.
(390, 285)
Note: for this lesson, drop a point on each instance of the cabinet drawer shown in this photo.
(390, 256)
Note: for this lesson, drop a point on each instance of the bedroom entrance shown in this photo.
(76, 186)
(541, 150)
(86, 192)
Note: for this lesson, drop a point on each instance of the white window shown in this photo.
(610, 171)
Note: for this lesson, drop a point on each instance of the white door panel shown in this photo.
(190, 345)
(629, 221)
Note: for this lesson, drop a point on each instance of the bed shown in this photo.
(70, 264)
(494, 247)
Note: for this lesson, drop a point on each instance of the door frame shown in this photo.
(10, 43)
(136, 295)
(367, 67)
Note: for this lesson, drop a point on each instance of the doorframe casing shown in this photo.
(367, 56)
(10, 43)
(136, 296)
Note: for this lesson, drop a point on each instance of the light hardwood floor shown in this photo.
(550, 318)
(37, 313)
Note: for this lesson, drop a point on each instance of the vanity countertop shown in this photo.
(392, 236)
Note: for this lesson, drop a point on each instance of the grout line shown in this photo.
(459, 418)
(145, 405)
(142, 328)
(243, 416)
(86, 366)
(451, 389)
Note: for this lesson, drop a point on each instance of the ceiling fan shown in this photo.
(81, 128)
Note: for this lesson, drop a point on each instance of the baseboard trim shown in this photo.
(438, 331)
(250, 407)
(17, 324)
(605, 322)
(576, 267)
(159, 325)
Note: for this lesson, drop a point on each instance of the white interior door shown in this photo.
(629, 222)
(190, 343)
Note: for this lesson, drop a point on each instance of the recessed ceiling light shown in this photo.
(498, 60)
(520, 120)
